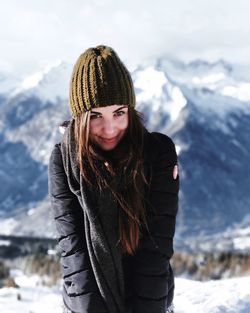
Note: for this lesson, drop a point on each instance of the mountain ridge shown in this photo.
(208, 127)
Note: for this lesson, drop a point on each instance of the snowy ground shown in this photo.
(220, 296)
(215, 296)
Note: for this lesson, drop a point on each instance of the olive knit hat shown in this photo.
(99, 78)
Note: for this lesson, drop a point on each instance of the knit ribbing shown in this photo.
(99, 78)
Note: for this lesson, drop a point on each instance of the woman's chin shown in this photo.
(107, 146)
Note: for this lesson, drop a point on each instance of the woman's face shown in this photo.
(108, 125)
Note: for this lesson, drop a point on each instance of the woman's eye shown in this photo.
(119, 113)
(94, 116)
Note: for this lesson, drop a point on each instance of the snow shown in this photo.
(236, 238)
(242, 244)
(164, 86)
(153, 86)
(178, 149)
(240, 90)
(35, 298)
(51, 84)
(221, 78)
(28, 221)
(240, 235)
(5, 243)
(177, 103)
(209, 79)
(220, 296)
(32, 80)
(150, 82)
(215, 104)
(7, 225)
(37, 142)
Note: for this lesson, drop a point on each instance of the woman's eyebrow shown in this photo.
(95, 112)
(120, 108)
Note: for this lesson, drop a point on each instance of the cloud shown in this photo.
(34, 34)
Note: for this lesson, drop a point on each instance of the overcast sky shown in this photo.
(35, 34)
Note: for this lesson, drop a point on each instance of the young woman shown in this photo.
(114, 194)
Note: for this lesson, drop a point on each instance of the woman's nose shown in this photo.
(109, 127)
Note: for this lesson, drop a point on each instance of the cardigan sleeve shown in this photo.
(80, 290)
(153, 280)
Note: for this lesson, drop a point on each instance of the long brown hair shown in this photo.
(129, 161)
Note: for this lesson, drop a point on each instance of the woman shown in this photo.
(114, 195)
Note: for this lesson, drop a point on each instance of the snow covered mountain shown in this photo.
(204, 107)
(30, 116)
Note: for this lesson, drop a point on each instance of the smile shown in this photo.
(109, 140)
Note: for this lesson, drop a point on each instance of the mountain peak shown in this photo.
(49, 84)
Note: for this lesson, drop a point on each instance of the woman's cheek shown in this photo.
(94, 127)
(124, 122)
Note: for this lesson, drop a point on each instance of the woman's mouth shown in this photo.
(108, 140)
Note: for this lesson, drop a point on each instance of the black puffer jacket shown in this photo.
(149, 280)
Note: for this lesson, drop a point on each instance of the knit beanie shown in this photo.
(99, 78)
